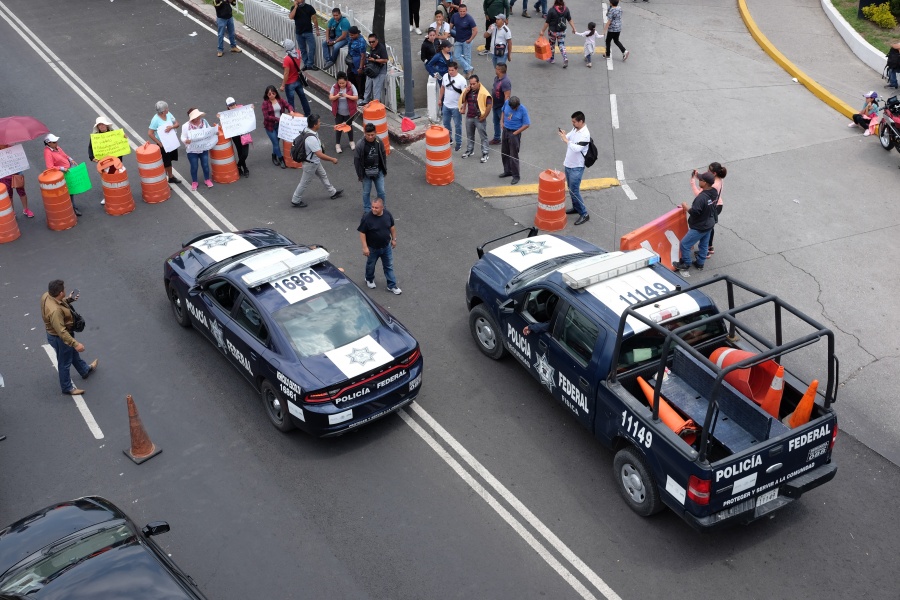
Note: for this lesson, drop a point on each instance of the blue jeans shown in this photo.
(387, 262)
(67, 356)
(276, 143)
(453, 113)
(498, 112)
(892, 78)
(542, 4)
(331, 53)
(222, 25)
(306, 44)
(297, 88)
(203, 159)
(462, 53)
(573, 180)
(687, 242)
(367, 190)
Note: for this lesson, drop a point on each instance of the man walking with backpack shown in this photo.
(577, 145)
(307, 149)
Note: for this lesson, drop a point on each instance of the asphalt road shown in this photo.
(377, 514)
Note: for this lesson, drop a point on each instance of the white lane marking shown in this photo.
(614, 109)
(620, 175)
(504, 514)
(609, 66)
(504, 493)
(603, 10)
(96, 102)
(79, 401)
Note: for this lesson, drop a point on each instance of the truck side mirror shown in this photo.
(508, 307)
(155, 528)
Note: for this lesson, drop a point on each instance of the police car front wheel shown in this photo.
(276, 407)
(178, 307)
(486, 332)
(636, 482)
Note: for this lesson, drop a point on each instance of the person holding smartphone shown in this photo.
(56, 311)
(344, 97)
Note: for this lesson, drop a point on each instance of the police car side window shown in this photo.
(579, 336)
(248, 318)
(539, 304)
(224, 294)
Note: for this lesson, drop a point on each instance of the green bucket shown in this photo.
(77, 179)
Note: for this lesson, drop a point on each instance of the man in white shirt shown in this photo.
(576, 147)
(441, 27)
(452, 85)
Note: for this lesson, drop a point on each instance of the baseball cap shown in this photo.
(51, 138)
(872, 95)
(229, 101)
(500, 17)
(708, 178)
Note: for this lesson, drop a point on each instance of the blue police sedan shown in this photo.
(323, 356)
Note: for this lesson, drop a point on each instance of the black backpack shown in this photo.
(298, 146)
(590, 157)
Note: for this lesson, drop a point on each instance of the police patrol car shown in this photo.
(660, 375)
(323, 356)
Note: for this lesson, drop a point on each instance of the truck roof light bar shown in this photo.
(283, 268)
(595, 269)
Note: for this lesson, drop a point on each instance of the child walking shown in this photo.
(614, 28)
(590, 42)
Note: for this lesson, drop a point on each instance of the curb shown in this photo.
(809, 83)
(504, 191)
(863, 50)
(394, 131)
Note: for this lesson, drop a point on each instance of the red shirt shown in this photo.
(291, 66)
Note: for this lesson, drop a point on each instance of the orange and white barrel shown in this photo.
(222, 160)
(9, 229)
(154, 181)
(376, 113)
(116, 189)
(551, 210)
(57, 201)
(438, 156)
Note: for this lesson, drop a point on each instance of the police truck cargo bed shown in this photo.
(695, 401)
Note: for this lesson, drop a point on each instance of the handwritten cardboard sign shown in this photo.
(237, 121)
(111, 143)
(290, 127)
(13, 160)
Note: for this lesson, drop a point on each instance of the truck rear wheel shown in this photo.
(636, 482)
(486, 332)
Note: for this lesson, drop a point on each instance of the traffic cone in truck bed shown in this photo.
(756, 382)
(685, 429)
(801, 414)
(772, 402)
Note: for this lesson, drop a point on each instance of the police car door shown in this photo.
(251, 341)
(573, 353)
(221, 297)
(536, 309)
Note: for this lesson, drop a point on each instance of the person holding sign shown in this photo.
(241, 142)
(16, 181)
(164, 123)
(198, 153)
(56, 158)
(103, 125)
(273, 106)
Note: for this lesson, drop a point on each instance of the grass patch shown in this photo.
(872, 33)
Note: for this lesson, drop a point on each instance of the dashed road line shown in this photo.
(620, 173)
(79, 400)
(614, 111)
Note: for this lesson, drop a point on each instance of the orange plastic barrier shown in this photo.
(551, 210)
(803, 412)
(222, 161)
(438, 156)
(764, 383)
(154, 181)
(116, 189)
(57, 201)
(668, 415)
(542, 48)
(286, 151)
(375, 113)
(9, 229)
(661, 235)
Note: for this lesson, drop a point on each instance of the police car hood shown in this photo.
(367, 355)
(505, 262)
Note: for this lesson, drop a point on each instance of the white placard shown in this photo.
(290, 127)
(169, 139)
(13, 160)
(238, 121)
(202, 139)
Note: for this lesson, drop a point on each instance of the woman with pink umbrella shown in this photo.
(14, 130)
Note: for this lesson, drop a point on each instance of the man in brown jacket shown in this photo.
(59, 322)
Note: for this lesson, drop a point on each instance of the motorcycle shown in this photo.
(889, 128)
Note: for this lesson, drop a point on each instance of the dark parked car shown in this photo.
(88, 548)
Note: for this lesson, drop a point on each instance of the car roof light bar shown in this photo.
(600, 268)
(286, 267)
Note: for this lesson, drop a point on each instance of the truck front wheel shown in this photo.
(636, 483)
(486, 332)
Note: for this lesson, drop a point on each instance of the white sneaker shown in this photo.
(625, 56)
(410, 27)
(867, 132)
(337, 148)
(395, 290)
(103, 201)
(851, 124)
(418, 31)
(370, 284)
(352, 146)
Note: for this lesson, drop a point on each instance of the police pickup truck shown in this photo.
(694, 401)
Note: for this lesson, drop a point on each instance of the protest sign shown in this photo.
(77, 179)
(237, 121)
(111, 143)
(290, 127)
(202, 139)
(12, 160)
(169, 140)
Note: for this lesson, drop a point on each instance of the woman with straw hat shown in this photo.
(196, 121)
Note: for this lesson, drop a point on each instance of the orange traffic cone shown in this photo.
(668, 415)
(142, 449)
(772, 402)
(801, 414)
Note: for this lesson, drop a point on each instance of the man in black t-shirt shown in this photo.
(370, 162)
(379, 237)
(304, 16)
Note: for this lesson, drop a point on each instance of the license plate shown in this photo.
(765, 498)
(415, 382)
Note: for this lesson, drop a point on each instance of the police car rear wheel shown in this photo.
(486, 332)
(178, 307)
(636, 483)
(276, 407)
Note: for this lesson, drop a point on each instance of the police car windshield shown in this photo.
(539, 270)
(327, 321)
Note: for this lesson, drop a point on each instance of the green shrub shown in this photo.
(880, 14)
